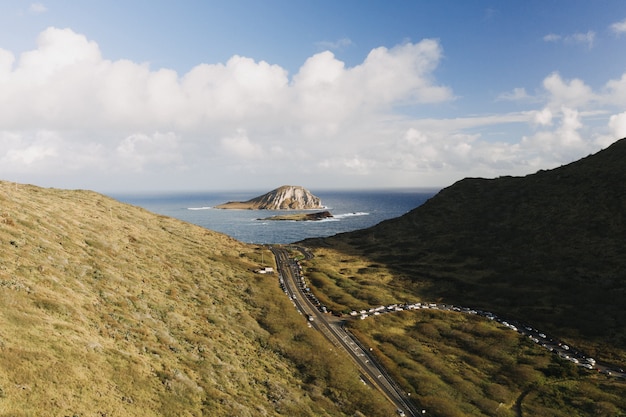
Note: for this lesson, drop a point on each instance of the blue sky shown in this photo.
(207, 95)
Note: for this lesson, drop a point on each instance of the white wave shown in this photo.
(327, 219)
(199, 208)
(356, 213)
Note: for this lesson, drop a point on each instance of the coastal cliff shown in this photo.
(287, 197)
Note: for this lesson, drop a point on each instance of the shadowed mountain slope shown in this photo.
(548, 248)
(108, 309)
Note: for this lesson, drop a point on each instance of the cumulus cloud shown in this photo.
(560, 135)
(328, 94)
(543, 117)
(573, 93)
(615, 91)
(66, 74)
(66, 108)
(617, 123)
(560, 144)
(242, 109)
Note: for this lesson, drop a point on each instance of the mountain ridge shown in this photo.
(547, 247)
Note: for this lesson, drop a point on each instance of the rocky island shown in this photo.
(301, 217)
(287, 197)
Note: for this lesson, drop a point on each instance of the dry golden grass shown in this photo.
(107, 309)
(346, 280)
(465, 365)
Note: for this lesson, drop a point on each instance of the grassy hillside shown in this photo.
(461, 365)
(109, 310)
(546, 249)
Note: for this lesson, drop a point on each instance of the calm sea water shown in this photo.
(352, 210)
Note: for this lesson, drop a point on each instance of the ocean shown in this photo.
(351, 210)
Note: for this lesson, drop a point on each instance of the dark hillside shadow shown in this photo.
(549, 248)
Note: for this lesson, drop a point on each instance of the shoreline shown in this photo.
(317, 216)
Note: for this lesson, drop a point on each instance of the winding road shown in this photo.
(332, 328)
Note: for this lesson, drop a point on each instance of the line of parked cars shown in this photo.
(552, 344)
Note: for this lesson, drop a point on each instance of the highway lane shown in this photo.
(374, 374)
(331, 327)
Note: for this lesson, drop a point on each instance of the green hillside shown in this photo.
(109, 310)
(547, 249)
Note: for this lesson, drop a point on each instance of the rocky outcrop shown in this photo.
(302, 217)
(287, 197)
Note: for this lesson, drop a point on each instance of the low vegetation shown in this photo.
(109, 310)
(463, 365)
(546, 249)
(456, 364)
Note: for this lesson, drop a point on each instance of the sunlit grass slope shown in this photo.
(460, 365)
(107, 309)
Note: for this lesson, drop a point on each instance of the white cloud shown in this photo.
(618, 27)
(616, 130)
(517, 94)
(37, 8)
(57, 50)
(586, 38)
(327, 93)
(543, 117)
(349, 165)
(45, 152)
(6, 63)
(67, 110)
(560, 144)
(334, 45)
(241, 146)
(140, 151)
(573, 93)
(552, 37)
(615, 91)
(30, 154)
(617, 123)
